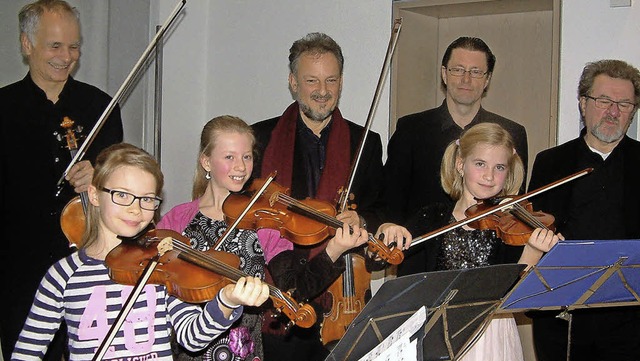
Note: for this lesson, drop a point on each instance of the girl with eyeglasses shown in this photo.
(78, 290)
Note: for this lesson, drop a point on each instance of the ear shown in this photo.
(487, 80)
(443, 74)
(204, 162)
(92, 192)
(293, 83)
(459, 165)
(582, 105)
(26, 44)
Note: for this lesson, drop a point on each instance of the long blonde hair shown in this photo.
(208, 138)
(108, 161)
(483, 133)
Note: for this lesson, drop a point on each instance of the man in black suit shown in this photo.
(312, 147)
(602, 205)
(414, 154)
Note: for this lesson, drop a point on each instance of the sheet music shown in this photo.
(398, 346)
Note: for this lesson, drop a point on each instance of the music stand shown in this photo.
(459, 304)
(579, 274)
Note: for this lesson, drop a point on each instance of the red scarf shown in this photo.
(278, 156)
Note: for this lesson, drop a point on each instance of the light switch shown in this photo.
(620, 3)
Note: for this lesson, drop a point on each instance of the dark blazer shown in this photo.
(414, 154)
(556, 163)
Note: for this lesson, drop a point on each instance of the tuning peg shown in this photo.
(289, 324)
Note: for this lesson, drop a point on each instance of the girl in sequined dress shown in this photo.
(481, 164)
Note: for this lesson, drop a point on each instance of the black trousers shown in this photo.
(597, 334)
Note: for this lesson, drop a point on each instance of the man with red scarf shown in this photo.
(312, 147)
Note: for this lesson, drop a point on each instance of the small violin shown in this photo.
(305, 222)
(73, 215)
(191, 275)
(513, 225)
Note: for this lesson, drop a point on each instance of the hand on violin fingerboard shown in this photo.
(345, 240)
(247, 291)
(540, 242)
(80, 175)
(394, 235)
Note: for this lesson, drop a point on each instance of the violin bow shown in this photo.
(80, 152)
(395, 32)
(252, 201)
(499, 207)
(133, 296)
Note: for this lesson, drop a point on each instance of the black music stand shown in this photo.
(458, 303)
(577, 275)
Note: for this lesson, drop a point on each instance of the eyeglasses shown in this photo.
(474, 73)
(605, 103)
(123, 198)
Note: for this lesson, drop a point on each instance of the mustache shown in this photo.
(320, 97)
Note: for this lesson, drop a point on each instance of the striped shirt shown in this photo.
(78, 291)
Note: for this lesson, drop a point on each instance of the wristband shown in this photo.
(224, 302)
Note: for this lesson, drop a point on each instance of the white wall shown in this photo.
(592, 30)
(231, 57)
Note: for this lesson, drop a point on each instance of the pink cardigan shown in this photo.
(179, 217)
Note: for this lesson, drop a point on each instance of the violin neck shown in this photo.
(309, 212)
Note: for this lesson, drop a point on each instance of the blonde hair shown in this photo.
(108, 161)
(483, 133)
(208, 138)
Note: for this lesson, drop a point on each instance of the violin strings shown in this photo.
(289, 201)
(232, 272)
(325, 218)
(526, 216)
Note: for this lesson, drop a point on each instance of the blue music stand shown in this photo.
(459, 304)
(580, 274)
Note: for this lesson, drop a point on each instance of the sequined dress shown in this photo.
(462, 249)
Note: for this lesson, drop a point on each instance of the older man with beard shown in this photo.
(603, 205)
(312, 147)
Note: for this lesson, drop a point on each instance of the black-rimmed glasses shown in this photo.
(474, 73)
(606, 103)
(123, 198)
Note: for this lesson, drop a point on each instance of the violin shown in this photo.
(191, 275)
(72, 218)
(513, 225)
(306, 222)
(498, 208)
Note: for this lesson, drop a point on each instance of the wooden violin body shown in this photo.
(514, 225)
(191, 275)
(348, 298)
(270, 211)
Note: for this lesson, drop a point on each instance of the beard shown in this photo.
(316, 115)
(610, 137)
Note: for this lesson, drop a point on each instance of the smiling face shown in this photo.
(230, 162)
(127, 221)
(55, 50)
(316, 86)
(484, 171)
(606, 127)
(465, 90)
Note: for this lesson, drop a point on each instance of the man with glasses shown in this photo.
(412, 169)
(603, 205)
